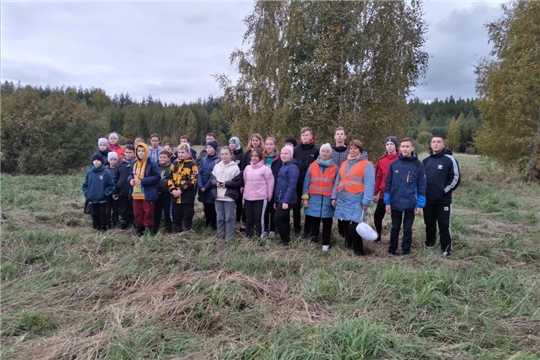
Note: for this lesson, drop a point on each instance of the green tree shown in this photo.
(508, 84)
(453, 138)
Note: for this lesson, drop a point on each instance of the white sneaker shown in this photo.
(325, 247)
(264, 234)
(271, 234)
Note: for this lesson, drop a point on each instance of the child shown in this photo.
(182, 187)
(226, 181)
(184, 139)
(115, 146)
(404, 195)
(206, 195)
(169, 147)
(112, 203)
(103, 149)
(145, 179)
(163, 204)
(155, 149)
(97, 186)
(122, 190)
(272, 160)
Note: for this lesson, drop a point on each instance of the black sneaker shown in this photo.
(393, 253)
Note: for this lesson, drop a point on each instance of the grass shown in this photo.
(69, 292)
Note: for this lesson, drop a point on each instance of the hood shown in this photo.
(307, 146)
(413, 157)
(443, 152)
(231, 163)
(275, 155)
(146, 152)
(340, 149)
(237, 142)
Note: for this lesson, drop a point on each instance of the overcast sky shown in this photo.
(171, 50)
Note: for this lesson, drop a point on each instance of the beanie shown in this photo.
(236, 141)
(97, 156)
(289, 149)
(103, 141)
(213, 144)
(291, 140)
(392, 139)
(112, 155)
(326, 146)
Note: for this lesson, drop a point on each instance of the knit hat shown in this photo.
(326, 146)
(288, 148)
(113, 135)
(97, 156)
(291, 140)
(392, 139)
(112, 155)
(103, 141)
(213, 144)
(236, 141)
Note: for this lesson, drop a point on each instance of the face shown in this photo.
(437, 144)
(210, 138)
(128, 154)
(182, 154)
(225, 156)
(390, 147)
(406, 148)
(255, 142)
(102, 147)
(325, 154)
(255, 158)
(354, 151)
(140, 152)
(113, 140)
(289, 143)
(340, 136)
(285, 156)
(306, 137)
(232, 145)
(163, 159)
(96, 163)
(210, 150)
(184, 141)
(168, 148)
(113, 162)
(154, 142)
(269, 146)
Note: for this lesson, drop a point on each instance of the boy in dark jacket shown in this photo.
(98, 185)
(122, 191)
(163, 204)
(443, 177)
(404, 195)
(112, 203)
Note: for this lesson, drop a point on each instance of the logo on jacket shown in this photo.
(439, 167)
(100, 177)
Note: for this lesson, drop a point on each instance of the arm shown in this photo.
(369, 185)
(378, 179)
(109, 188)
(454, 177)
(388, 186)
(236, 182)
(154, 176)
(85, 185)
(307, 180)
(421, 188)
(294, 173)
(270, 183)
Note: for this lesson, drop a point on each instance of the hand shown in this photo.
(138, 182)
(275, 206)
(306, 203)
(417, 211)
(115, 197)
(241, 190)
(334, 203)
(376, 199)
(284, 206)
(388, 209)
(203, 189)
(364, 207)
(132, 182)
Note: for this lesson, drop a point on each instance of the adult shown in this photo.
(155, 149)
(443, 177)
(115, 146)
(339, 155)
(204, 184)
(353, 192)
(255, 142)
(184, 139)
(203, 153)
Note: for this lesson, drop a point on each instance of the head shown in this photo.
(168, 146)
(340, 135)
(226, 154)
(234, 143)
(138, 141)
(97, 160)
(437, 144)
(184, 139)
(211, 137)
(291, 141)
(269, 145)
(325, 152)
(141, 151)
(287, 153)
(406, 147)
(391, 144)
(211, 147)
(306, 136)
(103, 144)
(129, 153)
(183, 151)
(154, 141)
(112, 158)
(128, 142)
(256, 155)
(164, 157)
(255, 141)
(113, 139)
(356, 148)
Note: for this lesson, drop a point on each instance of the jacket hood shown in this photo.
(231, 163)
(443, 152)
(307, 146)
(340, 149)
(413, 157)
(146, 152)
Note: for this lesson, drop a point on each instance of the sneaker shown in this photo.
(430, 246)
(446, 253)
(271, 234)
(393, 253)
(264, 234)
(325, 247)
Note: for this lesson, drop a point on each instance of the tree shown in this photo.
(508, 85)
(453, 138)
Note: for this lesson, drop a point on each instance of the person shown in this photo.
(203, 153)
(206, 195)
(234, 144)
(98, 185)
(113, 209)
(168, 146)
(291, 141)
(226, 182)
(115, 146)
(184, 139)
(443, 177)
(272, 160)
(353, 192)
(381, 170)
(163, 202)
(258, 188)
(255, 142)
(183, 187)
(138, 141)
(144, 180)
(404, 195)
(305, 153)
(340, 152)
(123, 188)
(317, 195)
(285, 194)
(103, 150)
(155, 149)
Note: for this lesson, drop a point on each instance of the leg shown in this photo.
(341, 227)
(104, 216)
(108, 211)
(347, 234)
(307, 225)
(239, 207)
(178, 216)
(148, 208)
(258, 209)
(94, 208)
(213, 219)
(394, 233)
(326, 230)
(167, 209)
(408, 220)
(297, 216)
(220, 215)
(378, 217)
(115, 213)
(189, 212)
(158, 209)
(444, 213)
(315, 224)
(229, 218)
(357, 242)
(282, 219)
(430, 220)
(250, 217)
(138, 215)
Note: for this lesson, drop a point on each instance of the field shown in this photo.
(69, 292)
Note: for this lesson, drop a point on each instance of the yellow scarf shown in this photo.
(138, 171)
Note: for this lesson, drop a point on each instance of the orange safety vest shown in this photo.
(321, 183)
(352, 181)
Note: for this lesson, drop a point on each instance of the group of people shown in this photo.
(149, 186)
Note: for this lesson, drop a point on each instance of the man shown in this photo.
(203, 153)
(154, 149)
(383, 164)
(443, 177)
(340, 152)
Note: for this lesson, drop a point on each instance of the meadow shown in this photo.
(69, 292)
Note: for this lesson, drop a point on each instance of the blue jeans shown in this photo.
(225, 214)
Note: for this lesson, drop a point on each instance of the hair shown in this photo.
(304, 129)
(271, 139)
(212, 135)
(168, 143)
(358, 144)
(185, 137)
(258, 152)
(405, 139)
(256, 135)
(113, 133)
(165, 152)
(184, 147)
(139, 139)
(128, 142)
(438, 136)
(155, 135)
(226, 148)
(129, 147)
(340, 128)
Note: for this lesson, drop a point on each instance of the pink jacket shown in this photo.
(258, 182)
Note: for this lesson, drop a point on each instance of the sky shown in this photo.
(171, 50)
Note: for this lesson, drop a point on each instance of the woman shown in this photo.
(353, 192)
(317, 195)
(272, 160)
(258, 187)
(204, 183)
(285, 193)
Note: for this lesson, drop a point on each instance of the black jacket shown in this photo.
(123, 171)
(305, 154)
(443, 177)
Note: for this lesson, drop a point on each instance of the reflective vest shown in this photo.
(353, 180)
(321, 183)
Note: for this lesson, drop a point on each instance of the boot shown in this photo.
(140, 230)
(152, 230)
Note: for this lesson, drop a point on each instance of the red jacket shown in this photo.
(383, 164)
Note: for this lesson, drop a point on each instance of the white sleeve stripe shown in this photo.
(456, 174)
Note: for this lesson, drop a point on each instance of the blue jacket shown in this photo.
(405, 187)
(349, 205)
(98, 185)
(204, 178)
(285, 188)
(151, 177)
(319, 206)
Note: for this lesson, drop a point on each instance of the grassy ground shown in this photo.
(69, 292)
